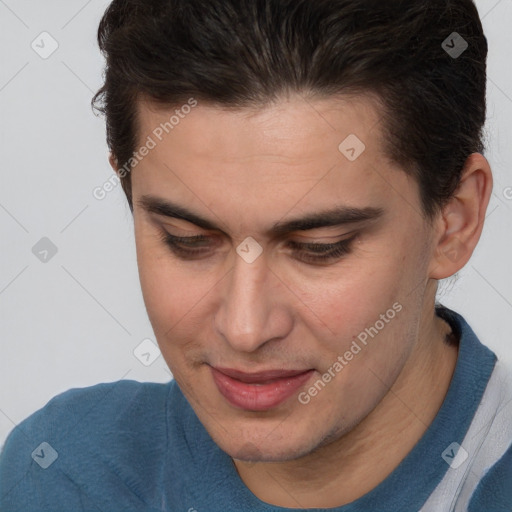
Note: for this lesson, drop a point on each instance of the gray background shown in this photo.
(76, 319)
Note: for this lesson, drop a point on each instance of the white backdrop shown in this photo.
(75, 319)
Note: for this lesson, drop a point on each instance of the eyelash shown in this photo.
(324, 252)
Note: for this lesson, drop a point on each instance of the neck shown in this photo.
(347, 468)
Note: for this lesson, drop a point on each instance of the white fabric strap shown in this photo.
(487, 439)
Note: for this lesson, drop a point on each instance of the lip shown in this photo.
(258, 391)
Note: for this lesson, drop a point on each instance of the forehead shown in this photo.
(294, 154)
(277, 129)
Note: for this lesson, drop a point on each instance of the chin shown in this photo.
(268, 448)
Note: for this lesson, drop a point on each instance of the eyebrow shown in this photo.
(338, 216)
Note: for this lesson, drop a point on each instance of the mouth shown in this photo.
(259, 391)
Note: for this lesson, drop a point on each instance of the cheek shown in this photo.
(353, 297)
(365, 304)
(178, 300)
(166, 286)
(369, 330)
(170, 301)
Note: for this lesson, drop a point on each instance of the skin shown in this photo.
(246, 170)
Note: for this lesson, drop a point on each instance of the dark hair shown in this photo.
(248, 53)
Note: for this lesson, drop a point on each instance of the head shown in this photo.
(251, 115)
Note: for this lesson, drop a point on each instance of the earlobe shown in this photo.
(463, 218)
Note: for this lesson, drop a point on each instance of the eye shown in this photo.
(321, 253)
(185, 247)
(194, 247)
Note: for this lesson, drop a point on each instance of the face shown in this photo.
(246, 297)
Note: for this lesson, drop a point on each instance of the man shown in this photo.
(301, 174)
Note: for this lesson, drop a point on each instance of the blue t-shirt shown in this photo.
(130, 446)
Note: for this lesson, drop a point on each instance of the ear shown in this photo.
(462, 220)
(113, 163)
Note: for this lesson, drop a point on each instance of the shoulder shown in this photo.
(78, 433)
(101, 404)
(494, 491)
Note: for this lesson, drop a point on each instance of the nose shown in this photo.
(253, 308)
